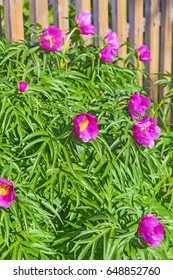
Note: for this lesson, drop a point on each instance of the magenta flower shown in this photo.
(137, 104)
(84, 21)
(52, 39)
(89, 29)
(145, 131)
(86, 126)
(144, 53)
(7, 194)
(22, 86)
(84, 18)
(112, 40)
(108, 53)
(151, 230)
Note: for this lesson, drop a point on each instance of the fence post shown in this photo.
(13, 15)
(39, 12)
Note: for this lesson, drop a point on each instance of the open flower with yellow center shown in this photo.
(145, 131)
(7, 194)
(86, 126)
(52, 39)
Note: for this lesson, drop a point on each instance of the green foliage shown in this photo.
(78, 200)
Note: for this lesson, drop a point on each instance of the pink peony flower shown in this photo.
(137, 104)
(145, 131)
(52, 39)
(89, 29)
(22, 86)
(112, 40)
(7, 194)
(86, 126)
(144, 53)
(83, 18)
(108, 53)
(84, 21)
(151, 230)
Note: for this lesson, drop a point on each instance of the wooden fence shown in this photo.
(142, 21)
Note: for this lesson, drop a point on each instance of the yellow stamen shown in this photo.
(4, 189)
(50, 40)
(84, 124)
(145, 126)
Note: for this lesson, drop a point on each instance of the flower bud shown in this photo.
(151, 230)
(22, 86)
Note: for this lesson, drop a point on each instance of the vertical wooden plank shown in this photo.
(60, 10)
(119, 14)
(39, 12)
(101, 17)
(166, 43)
(136, 28)
(136, 22)
(152, 39)
(83, 5)
(122, 25)
(13, 15)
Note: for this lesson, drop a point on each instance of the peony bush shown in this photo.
(85, 155)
